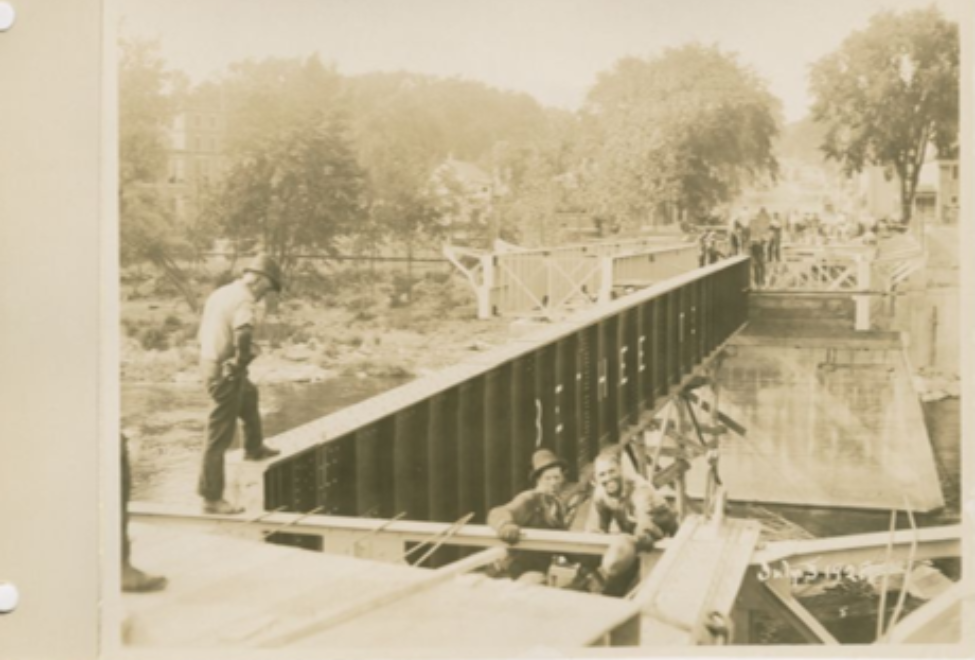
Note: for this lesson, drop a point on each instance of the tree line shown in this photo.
(315, 160)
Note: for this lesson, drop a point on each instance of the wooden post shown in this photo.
(484, 290)
(863, 300)
(605, 280)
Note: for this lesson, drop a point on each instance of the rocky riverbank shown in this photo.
(306, 340)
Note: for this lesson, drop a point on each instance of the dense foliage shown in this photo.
(316, 162)
(149, 225)
(681, 134)
(888, 92)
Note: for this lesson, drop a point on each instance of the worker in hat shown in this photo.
(632, 508)
(226, 349)
(542, 507)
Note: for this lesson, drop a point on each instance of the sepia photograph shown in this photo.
(507, 328)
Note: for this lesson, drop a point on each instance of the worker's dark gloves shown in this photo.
(595, 581)
(229, 369)
(664, 521)
(645, 543)
(509, 533)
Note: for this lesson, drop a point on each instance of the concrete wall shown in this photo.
(933, 321)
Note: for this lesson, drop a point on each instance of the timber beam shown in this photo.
(932, 542)
(352, 529)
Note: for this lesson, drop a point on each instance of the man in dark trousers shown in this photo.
(133, 580)
(226, 349)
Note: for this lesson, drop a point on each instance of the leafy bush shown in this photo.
(131, 327)
(172, 322)
(154, 339)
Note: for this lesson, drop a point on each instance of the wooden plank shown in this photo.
(933, 542)
(371, 603)
(937, 622)
(253, 595)
(700, 573)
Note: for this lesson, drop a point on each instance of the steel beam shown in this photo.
(573, 388)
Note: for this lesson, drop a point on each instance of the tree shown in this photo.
(888, 92)
(299, 189)
(535, 175)
(682, 132)
(149, 228)
(399, 138)
(293, 183)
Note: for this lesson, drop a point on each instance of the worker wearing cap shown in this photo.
(539, 508)
(635, 510)
(226, 349)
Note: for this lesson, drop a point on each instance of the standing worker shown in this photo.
(775, 239)
(226, 349)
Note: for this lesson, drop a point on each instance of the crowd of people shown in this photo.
(761, 235)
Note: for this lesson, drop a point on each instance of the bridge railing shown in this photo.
(543, 281)
(461, 440)
(643, 268)
(867, 272)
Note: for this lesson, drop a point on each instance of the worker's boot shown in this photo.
(136, 581)
(261, 453)
(221, 507)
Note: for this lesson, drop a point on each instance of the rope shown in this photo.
(261, 516)
(907, 573)
(386, 523)
(881, 614)
(268, 535)
(450, 531)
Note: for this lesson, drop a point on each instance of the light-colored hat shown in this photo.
(544, 459)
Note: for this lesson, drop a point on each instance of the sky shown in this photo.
(551, 49)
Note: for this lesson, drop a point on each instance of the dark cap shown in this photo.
(268, 267)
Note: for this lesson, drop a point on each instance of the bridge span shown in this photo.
(460, 440)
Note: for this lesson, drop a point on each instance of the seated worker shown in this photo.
(634, 509)
(550, 505)
(542, 507)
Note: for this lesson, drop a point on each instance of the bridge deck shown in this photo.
(231, 593)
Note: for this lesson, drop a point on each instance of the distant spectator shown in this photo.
(775, 239)
(758, 249)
